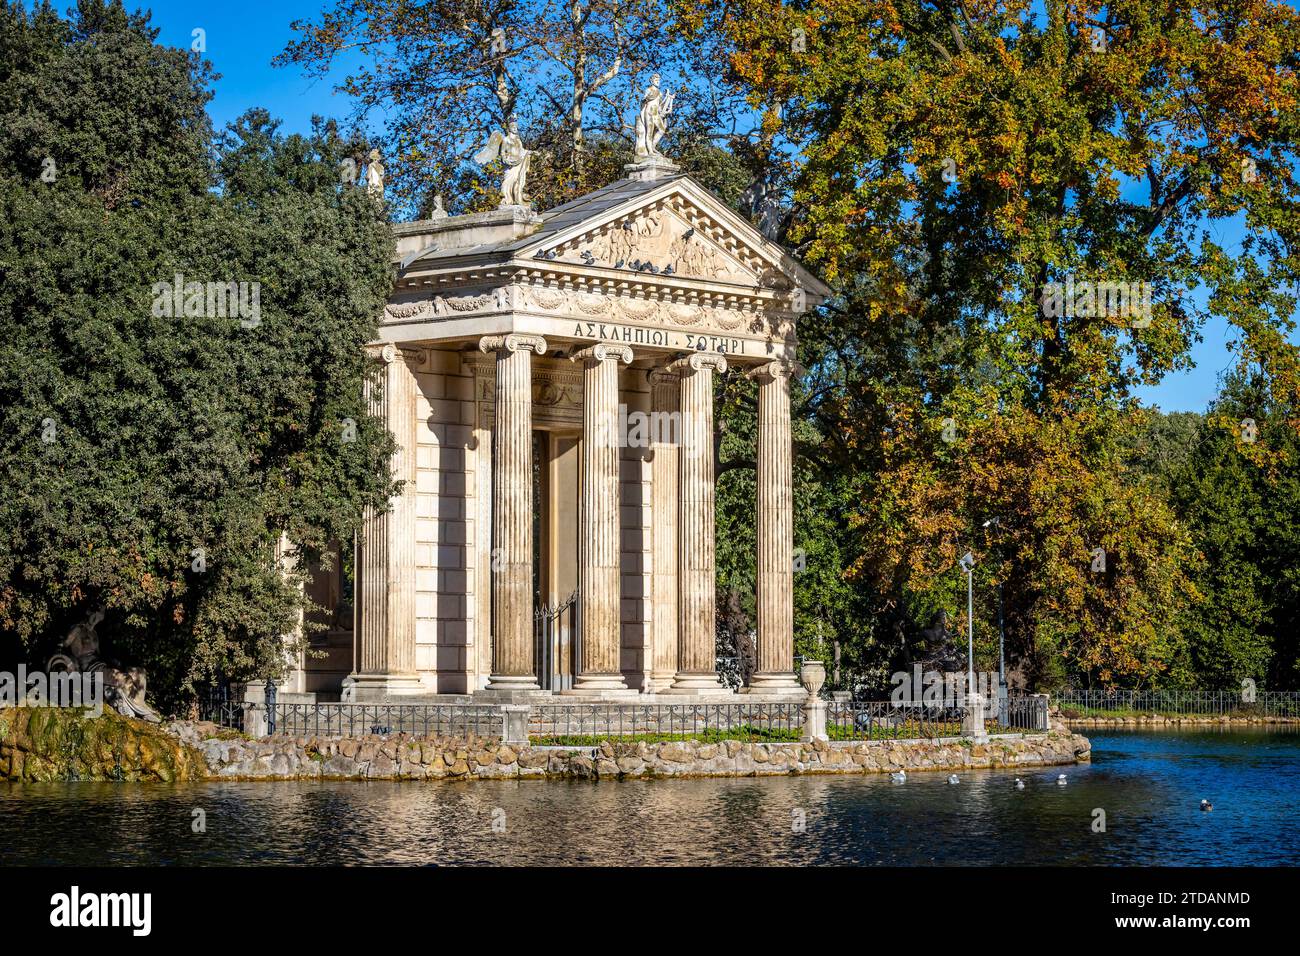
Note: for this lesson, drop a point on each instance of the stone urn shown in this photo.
(812, 675)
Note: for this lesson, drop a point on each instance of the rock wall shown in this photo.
(404, 757)
(51, 743)
(1158, 720)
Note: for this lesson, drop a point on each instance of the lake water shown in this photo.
(1148, 784)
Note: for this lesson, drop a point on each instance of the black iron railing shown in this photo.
(1024, 713)
(351, 720)
(1246, 702)
(582, 723)
(891, 720)
(218, 706)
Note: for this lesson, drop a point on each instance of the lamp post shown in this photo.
(1002, 634)
(968, 565)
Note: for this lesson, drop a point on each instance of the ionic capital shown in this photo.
(699, 362)
(662, 376)
(386, 353)
(778, 368)
(603, 352)
(513, 342)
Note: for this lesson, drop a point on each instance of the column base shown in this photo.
(575, 693)
(776, 683)
(510, 683)
(700, 684)
(660, 683)
(501, 695)
(378, 687)
(599, 685)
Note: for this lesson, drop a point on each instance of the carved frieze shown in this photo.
(440, 306)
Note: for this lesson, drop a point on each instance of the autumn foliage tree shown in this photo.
(958, 161)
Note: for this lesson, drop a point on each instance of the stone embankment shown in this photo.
(403, 757)
(1184, 720)
(41, 744)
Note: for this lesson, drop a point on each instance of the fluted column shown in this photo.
(598, 544)
(775, 519)
(512, 513)
(665, 389)
(384, 657)
(696, 607)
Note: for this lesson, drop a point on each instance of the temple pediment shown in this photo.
(620, 264)
(657, 242)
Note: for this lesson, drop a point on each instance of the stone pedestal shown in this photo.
(814, 720)
(255, 721)
(651, 168)
(385, 634)
(697, 612)
(512, 514)
(973, 723)
(514, 724)
(775, 519)
(665, 390)
(811, 679)
(598, 543)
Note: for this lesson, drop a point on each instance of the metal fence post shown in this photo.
(270, 706)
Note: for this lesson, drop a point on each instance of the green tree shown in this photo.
(1243, 511)
(160, 464)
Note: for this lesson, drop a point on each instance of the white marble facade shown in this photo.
(515, 349)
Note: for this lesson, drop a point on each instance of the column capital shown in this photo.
(512, 343)
(777, 368)
(698, 362)
(387, 353)
(602, 352)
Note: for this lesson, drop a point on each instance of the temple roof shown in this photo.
(546, 235)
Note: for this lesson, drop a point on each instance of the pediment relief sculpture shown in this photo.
(657, 242)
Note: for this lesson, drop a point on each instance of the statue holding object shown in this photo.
(652, 121)
(510, 148)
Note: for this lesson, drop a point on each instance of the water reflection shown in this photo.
(1149, 784)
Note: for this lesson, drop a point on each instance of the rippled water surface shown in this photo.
(1149, 784)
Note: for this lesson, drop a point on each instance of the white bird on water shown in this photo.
(1206, 805)
(899, 777)
(1020, 784)
(1060, 781)
(953, 778)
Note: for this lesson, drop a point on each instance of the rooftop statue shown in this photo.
(375, 175)
(652, 121)
(510, 147)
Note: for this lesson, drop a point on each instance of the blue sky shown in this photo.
(242, 38)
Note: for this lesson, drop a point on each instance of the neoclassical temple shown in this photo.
(549, 379)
